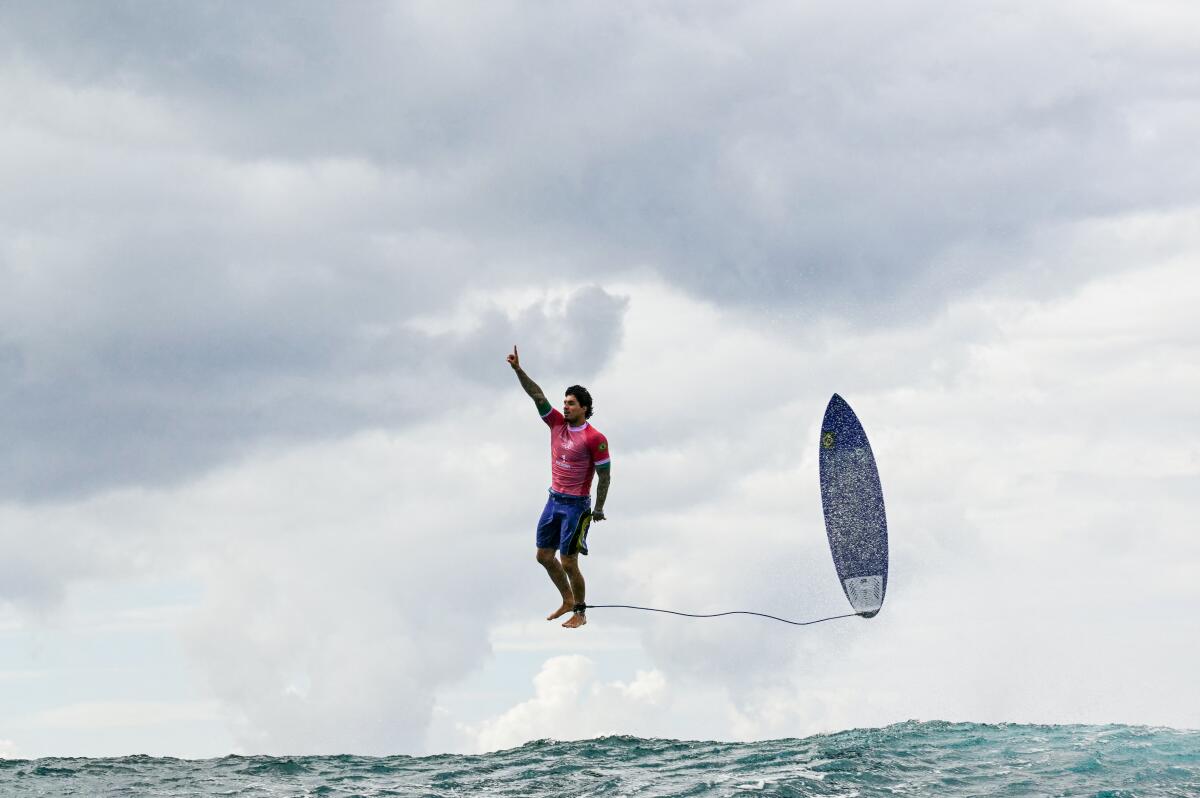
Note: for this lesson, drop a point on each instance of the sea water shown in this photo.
(907, 759)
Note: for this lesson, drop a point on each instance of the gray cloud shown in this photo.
(749, 154)
(151, 400)
(227, 213)
(572, 339)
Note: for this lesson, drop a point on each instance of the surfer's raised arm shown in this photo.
(531, 387)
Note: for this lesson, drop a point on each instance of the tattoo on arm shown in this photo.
(533, 390)
(605, 475)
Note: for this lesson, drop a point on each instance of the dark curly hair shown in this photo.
(583, 397)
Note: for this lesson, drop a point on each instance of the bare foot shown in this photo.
(561, 611)
(575, 621)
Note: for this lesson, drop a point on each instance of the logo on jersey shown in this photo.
(827, 440)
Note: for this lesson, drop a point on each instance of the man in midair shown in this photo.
(577, 451)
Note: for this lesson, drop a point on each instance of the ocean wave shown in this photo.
(906, 759)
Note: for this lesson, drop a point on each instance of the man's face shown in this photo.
(572, 411)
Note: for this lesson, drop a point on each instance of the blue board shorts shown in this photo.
(564, 523)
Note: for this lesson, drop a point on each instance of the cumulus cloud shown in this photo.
(344, 588)
(1019, 591)
(1031, 465)
(569, 704)
(345, 580)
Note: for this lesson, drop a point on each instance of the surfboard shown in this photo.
(852, 499)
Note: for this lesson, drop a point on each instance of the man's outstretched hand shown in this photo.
(514, 360)
(598, 515)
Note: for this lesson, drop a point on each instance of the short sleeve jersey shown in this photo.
(575, 452)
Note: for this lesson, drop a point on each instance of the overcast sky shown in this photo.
(268, 486)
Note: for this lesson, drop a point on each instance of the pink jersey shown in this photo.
(574, 454)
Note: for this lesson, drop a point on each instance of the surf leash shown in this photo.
(720, 614)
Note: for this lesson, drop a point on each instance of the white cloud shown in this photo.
(1037, 490)
(347, 582)
(568, 704)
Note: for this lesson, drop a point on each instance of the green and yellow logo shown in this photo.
(603, 446)
(827, 440)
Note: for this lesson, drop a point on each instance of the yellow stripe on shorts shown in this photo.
(580, 535)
